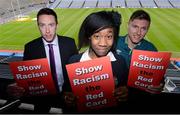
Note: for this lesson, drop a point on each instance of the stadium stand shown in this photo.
(6, 76)
(175, 3)
(104, 4)
(77, 4)
(5, 71)
(163, 3)
(54, 4)
(115, 4)
(13, 57)
(133, 4)
(90, 4)
(118, 4)
(148, 4)
(64, 4)
(172, 78)
(5, 59)
(12, 9)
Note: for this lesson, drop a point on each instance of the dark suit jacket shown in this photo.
(35, 50)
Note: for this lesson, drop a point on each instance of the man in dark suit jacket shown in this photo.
(63, 48)
(35, 50)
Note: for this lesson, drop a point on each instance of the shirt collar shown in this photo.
(85, 56)
(54, 42)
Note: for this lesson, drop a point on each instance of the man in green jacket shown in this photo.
(138, 26)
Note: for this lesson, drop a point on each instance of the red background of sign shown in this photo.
(107, 86)
(157, 76)
(47, 81)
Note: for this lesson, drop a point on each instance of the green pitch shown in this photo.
(164, 31)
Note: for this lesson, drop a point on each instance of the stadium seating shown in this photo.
(163, 3)
(90, 4)
(175, 3)
(115, 4)
(148, 4)
(77, 4)
(133, 4)
(118, 4)
(5, 59)
(11, 9)
(64, 4)
(104, 3)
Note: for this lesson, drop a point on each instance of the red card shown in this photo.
(34, 76)
(147, 68)
(92, 81)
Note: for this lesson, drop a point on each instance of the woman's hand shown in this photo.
(121, 93)
(70, 99)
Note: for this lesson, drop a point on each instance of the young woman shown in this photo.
(98, 33)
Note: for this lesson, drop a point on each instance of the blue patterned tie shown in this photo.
(52, 65)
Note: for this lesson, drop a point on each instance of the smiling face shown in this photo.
(101, 43)
(137, 29)
(47, 26)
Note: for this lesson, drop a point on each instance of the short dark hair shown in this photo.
(47, 11)
(140, 14)
(96, 22)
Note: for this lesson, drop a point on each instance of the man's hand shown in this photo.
(15, 91)
(70, 99)
(156, 89)
(121, 93)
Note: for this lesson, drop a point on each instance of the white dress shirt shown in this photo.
(58, 63)
(85, 56)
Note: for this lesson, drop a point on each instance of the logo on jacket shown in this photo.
(118, 51)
